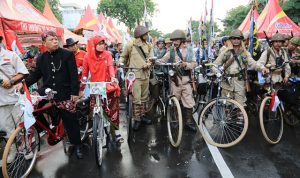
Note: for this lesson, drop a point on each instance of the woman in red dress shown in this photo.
(98, 63)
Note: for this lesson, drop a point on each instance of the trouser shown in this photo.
(183, 92)
(10, 117)
(187, 114)
(236, 90)
(140, 91)
(71, 125)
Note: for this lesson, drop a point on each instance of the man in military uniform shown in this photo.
(292, 45)
(168, 43)
(182, 89)
(12, 71)
(295, 62)
(235, 60)
(161, 50)
(136, 55)
(276, 56)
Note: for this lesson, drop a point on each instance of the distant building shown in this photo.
(71, 14)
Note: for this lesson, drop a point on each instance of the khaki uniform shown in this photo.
(236, 86)
(132, 58)
(184, 91)
(276, 76)
(11, 64)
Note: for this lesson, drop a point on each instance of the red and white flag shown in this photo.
(29, 119)
(274, 102)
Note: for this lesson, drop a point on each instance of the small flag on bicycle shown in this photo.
(29, 119)
(274, 102)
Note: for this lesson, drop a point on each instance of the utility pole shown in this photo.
(146, 15)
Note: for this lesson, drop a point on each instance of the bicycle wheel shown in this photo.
(271, 123)
(290, 118)
(98, 138)
(85, 125)
(25, 145)
(223, 122)
(159, 112)
(174, 118)
(129, 119)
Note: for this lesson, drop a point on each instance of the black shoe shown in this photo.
(145, 120)
(136, 125)
(79, 153)
(190, 127)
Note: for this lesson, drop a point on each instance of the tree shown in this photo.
(54, 5)
(292, 9)
(155, 33)
(130, 12)
(234, 18)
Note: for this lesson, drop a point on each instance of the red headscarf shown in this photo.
(91, 46)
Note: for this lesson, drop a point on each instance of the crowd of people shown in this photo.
(62, 69)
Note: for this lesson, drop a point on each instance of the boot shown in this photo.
(136, 116)
(144, 118)
(189, 125)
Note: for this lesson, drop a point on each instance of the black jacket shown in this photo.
(61, 77)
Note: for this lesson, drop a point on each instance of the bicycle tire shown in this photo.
(20, 156)
(263, 122)
(174, 137)
(98, 137)
(233, 123)
(289, 118)
(84, 128)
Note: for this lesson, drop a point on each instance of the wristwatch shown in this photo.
(12, 82)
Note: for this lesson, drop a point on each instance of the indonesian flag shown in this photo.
(274, 102)
(13, 43)
(29, 119)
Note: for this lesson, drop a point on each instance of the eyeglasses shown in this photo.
(101, 43)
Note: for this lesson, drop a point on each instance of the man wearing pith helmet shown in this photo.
(235, 60)
(180, 85)
(276, 56)
(136, 55)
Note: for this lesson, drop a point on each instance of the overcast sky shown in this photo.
(174, 14)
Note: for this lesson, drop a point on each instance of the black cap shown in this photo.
(70, 42)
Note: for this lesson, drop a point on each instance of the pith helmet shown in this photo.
(177, 34)
(295, 40)
(287, 37)
(140, 31)
(167, 40)
(236, 34)
(278, 37)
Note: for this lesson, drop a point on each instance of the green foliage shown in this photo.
(167, 35)
(234, 18)
(292, 10)
(54, 4)
(155, 33)
(130, 12)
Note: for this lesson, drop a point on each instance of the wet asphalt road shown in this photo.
(153, 157)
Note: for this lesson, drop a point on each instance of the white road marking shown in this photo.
(219, 160)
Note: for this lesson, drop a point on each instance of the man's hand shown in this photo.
(285, 80)
(265, 71)
(146, 66)
(74, 98)
(6, 84)
(183, 64)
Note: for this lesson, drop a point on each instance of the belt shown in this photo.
(239, 75)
